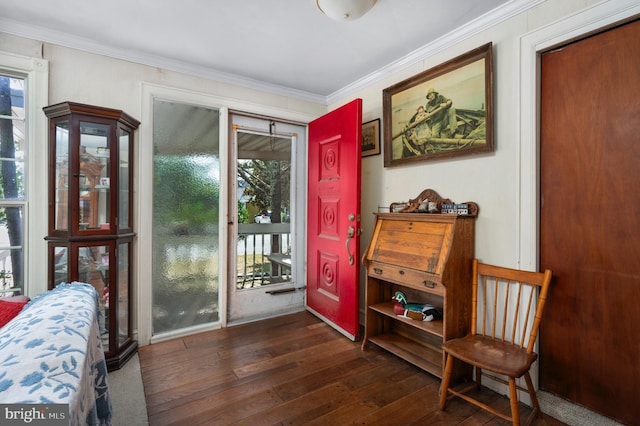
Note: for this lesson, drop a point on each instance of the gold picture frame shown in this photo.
(444, 112)
(371, 138)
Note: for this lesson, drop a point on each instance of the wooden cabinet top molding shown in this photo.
(442, 205)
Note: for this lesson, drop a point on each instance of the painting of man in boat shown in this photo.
(444, 112)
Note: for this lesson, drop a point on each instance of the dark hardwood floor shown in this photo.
(295, 370)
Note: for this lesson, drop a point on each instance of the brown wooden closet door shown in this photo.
(590, 222)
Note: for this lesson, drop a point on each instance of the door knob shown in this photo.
(351, 232)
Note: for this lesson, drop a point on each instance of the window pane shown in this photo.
(11, 259)
(264, 182)
(12, 175)
(15, 86)
(12, 133)
(12, 184)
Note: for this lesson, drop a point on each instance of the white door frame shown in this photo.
(143, 198)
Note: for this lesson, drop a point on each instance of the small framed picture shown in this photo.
(105, 181)
(371, 138)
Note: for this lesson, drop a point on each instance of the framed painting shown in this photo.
(371, 138)
(444, 112)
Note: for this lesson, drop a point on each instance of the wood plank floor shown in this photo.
(295, 370)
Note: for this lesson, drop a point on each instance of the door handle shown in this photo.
(351, 232)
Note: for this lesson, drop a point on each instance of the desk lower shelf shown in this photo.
(425, 357)
(434, 327)
(418, 342)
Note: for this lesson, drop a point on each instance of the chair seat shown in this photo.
(489, 354)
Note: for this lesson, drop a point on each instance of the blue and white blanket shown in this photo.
(51, 353)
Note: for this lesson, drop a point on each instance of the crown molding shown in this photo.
(449, 40)
(488, 20)
(91, 46)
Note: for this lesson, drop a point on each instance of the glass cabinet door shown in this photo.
(59, 259)
(93, 178)
(93, 268)
(123, 299)
(88, 263)
(124, 212)
(61, 176)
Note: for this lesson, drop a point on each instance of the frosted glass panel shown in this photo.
(185, 216)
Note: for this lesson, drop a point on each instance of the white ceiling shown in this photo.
(285, 46)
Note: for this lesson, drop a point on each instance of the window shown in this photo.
(12, 178)
(23, 129)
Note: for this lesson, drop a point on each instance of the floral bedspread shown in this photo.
(51, 353)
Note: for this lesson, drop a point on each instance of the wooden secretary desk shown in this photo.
(429, 258)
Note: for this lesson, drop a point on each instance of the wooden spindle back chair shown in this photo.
(507, 307)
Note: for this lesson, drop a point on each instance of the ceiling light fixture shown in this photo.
(345, 10)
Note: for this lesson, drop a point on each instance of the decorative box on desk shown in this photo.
(90, 213)
(429, 258)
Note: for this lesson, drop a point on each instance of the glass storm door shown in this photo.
(262, 273)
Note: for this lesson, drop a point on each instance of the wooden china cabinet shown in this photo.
(90, 213)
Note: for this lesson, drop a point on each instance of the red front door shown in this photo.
(333, 242)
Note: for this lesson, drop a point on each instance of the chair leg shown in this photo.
(513, 397)
(478, 377)
(446, 379)
(536, 412)
(532, 391)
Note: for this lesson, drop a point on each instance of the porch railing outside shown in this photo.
(264, 254)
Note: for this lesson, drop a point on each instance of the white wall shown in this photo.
(83, 77)
(492, 180)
